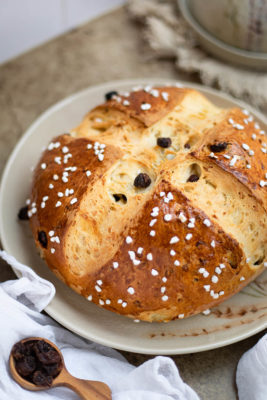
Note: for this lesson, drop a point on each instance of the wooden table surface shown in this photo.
(104, 49)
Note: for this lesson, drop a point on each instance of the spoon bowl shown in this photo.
(86, 389)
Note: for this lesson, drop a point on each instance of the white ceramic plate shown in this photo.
(242, 316)
(221, 49)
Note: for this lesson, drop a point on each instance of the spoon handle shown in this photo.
(87, 390)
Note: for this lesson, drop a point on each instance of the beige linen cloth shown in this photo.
(168, 35)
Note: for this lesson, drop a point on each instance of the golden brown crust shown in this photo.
(59, 202)
(195, 236)
(175, 275)
(245, 151)
(159, 106)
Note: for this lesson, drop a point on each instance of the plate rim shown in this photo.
(50, 309)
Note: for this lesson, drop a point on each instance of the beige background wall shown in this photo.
(27, 23)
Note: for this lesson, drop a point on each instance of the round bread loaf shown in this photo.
(154, 207)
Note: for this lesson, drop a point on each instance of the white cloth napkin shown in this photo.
(251, 375)
(20, 304)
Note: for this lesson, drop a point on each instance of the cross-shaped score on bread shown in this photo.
(155, 206)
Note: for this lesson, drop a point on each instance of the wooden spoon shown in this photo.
(87, 390)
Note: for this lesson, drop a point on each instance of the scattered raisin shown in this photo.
(164, 142)
(53, 369)
(19, 351)
(109, 95)
(137, 303)
(42, 238)
(23, 213)
(234, 266)
(218, 147)
(26, 366)
(199, 243)
(45, 353)
(142, 181)
(193, 178)
(187, 146)
(41, 379)
(120, 197)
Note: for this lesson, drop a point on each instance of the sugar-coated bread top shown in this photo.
(155, 206)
